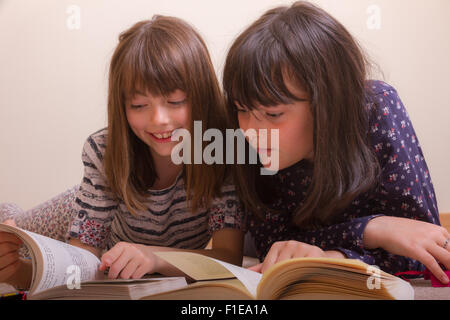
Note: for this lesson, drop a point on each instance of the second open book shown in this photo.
(303, 278)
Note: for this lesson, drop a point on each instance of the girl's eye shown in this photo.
(274, 115)
(176, 103)
(138, 106)
(241, 110)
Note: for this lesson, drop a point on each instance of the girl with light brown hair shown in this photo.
(133, 199)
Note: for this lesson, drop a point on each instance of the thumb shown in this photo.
(10, 222)
(256, 268)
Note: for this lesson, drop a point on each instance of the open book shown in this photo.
(300, 278)
(63, 271)
(56, 265)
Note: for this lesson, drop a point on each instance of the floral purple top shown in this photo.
(406, 190)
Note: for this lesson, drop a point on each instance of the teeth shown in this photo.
(163, 136)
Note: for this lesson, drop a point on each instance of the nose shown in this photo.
(160, 115)
(251, 123)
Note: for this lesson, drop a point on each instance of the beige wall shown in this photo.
(53, 78)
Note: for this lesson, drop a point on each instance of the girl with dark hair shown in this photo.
(133, 199)
(352, 179)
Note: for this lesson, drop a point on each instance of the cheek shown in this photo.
(243, 121)
(135, 120)
(183, 116)
(297, 141)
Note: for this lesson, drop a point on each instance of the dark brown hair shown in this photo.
(160, 56)
(305, 43)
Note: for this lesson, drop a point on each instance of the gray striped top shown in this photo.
(103, 221)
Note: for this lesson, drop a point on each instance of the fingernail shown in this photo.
(444, 279)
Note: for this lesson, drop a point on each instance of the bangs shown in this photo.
(156, 69)
(256, 74)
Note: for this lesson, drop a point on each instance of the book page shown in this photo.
(200, 267)
(196, 266)
(59, 260)
(59, 257)
(250, 279)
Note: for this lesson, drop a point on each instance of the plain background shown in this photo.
(53, 75)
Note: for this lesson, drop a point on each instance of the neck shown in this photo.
(166, 171)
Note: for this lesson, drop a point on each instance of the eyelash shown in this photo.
(271, 115)
(274, 115)
(175, 103)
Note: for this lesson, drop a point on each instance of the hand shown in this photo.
(415, 239)
(284, 250)
(129, 261)
(10, 261)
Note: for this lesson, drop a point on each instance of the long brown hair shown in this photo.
(160, 56)
(310, 46)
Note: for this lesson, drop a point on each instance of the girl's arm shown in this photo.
(95, 204)
(421, 241)
(226, 224)
(382, 228)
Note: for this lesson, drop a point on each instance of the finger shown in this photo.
(9, 271)
(256, 268)
(110, 256)
(289, 250)
(271, 257)
(314, 252)
(8, 259)
(430, 262)
(130, 268)
(141, 271)
(10, 222)
(440, 254)
(7, 247)
(9, 237)
(119, 264)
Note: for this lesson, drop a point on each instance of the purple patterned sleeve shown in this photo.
(405, 190)
(406, 187)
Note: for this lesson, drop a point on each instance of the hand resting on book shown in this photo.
(285, 250)
(13, 270)
(422, 241)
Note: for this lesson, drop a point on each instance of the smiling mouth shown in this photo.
(162, 136)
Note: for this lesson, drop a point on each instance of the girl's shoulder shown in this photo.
(98, 138)
(94, 148)
(377, 87)
(384, 104)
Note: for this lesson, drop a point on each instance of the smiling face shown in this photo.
(154, 118)
(294, 122)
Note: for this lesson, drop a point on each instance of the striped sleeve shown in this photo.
(95, 204)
